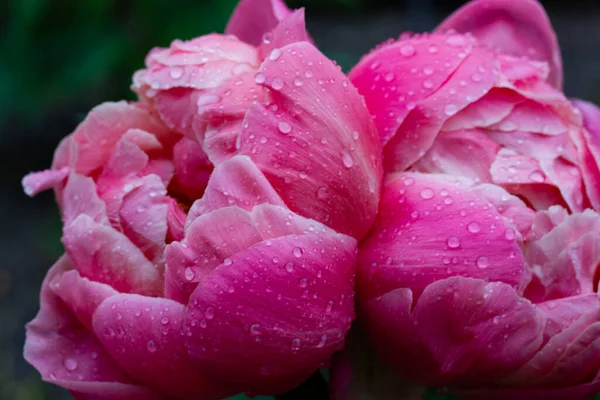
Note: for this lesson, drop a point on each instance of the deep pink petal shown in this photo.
(146, 337)
(236, 182)
(316, 143)
(395, 78)
(291, 29)
(67, 354)
(470, 237)
(252, 19)
(520, 28)
(80, 198)
(175, 221)
(589, 143)
(36, 182)
(477, 331)
(468, 153)
(102, 254)
(475, 76)
(584, 391)
(307, 283)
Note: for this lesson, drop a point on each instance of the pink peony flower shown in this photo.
(480, 97)
(254, 94)
(197, 270)
(481, 270)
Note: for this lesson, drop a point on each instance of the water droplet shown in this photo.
(408, 50)
(427, 84)
(277, 83)
(537, 176)
(255, 329)
(433, 49)
(70, 364)
(228, 261)
(296, 344)
(289, 266)
(151, 346)
(427, 193)
(209, 313)
(297, 252)
(164, 320)
(303, 282)
(267, 37)
(298, 82)
(453, 242)
(428, 70)
(448, 200)
(308, 74)
(259, 78)
(476, 77)
(322, 341)
(275, 54)
(455, 40)
(284, 127)
(347, 159)
(450, 109)
(483, 262)
(389, 77)
(510, 234)
(189, 274)
(176, 72)
(473, 227)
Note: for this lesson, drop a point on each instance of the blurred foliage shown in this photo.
(56, 52)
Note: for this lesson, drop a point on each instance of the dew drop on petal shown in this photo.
(297, 252)
(284, 127)
(70, 364)
(473, 227)
(483, 262)
(453, 242)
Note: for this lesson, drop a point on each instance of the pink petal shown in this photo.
(477, 331)
(531, 116)
(475, 76)
(236, 182)
(142, 139)
(468, 153)
(175, 221)
(36, 182)
(545, 221)
(431, 227)
(80, 295)
(567, 177)
(69, 355)
(316, 143)
(291, 29)
(387, 75)
(589, 148)
(146, 337)
(307, 282)
(104, 255)
(252, 19)
(209, 240)
(520, 28)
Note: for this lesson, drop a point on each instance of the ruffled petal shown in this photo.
(316, 143)
(519, 28)
(291, 29)
(588, 140)
(36, 182)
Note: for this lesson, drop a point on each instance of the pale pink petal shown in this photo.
(252, 19)
(545, 221)
(523, 175)
(472, 80)
(567, 177)
(468, 153)
(95, 138)
(127, 159)
(220, 140)
(521, 28)
(531, 116)
(566, 259)
(565, 359)
(536, 145)
(143, 216)
(387, 76)
(309, 293)
(36, 182)
(476, 330)
(589, 143)
(178, 109)
(80, 198)
(291, 29)
(161, 167)
(471, 237)
(492, 108)
(142, 139)
(67, 354)
(236, 182)
(104, 255)
(146, 337)
(317, 143)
